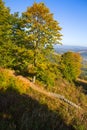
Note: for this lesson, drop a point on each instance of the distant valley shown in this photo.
(64, 48)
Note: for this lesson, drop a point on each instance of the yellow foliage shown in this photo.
(8, 80)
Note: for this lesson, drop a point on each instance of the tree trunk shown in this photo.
(34, 79)
(35, 62)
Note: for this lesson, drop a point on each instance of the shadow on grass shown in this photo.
(21, 112)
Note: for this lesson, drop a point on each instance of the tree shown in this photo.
(41, 29)
(71, 65)
(12, 54)
(18, 36)
(5, 32)
(5, 27)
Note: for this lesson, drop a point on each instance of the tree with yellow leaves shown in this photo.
(71, 65)
(42, 31)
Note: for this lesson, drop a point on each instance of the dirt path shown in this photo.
(50, 94)
(82, 80)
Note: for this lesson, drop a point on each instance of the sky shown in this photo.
(71, 14)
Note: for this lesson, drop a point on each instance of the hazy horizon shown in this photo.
(74, 45)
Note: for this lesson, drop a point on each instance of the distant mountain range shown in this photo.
(64, 48)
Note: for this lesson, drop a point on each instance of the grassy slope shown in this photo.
(22, 108)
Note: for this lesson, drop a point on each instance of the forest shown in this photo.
(27, 53)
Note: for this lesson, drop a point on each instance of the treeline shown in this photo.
(26, 45)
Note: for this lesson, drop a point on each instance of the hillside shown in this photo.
(22, 107)
(39, 89)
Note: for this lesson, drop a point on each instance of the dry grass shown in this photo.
(23, 108)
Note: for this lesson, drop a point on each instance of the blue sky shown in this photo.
(71, 14)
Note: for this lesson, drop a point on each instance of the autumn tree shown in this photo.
(71, 65)
(5, 31)
(18, 36)
(11, 35)
(5, 27)
(41, 29)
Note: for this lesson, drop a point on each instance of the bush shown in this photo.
(70, 65)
